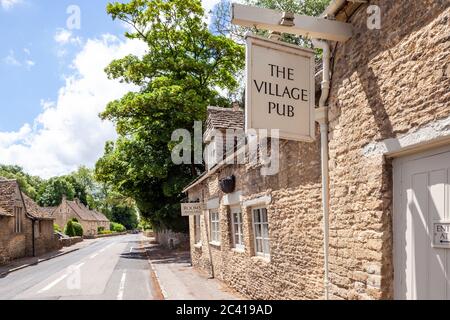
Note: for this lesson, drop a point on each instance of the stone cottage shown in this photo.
(387, 118)
(25, 228)
(91, 221)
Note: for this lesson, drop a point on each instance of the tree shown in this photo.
(179, 76)
(126, 216)
(52, 191)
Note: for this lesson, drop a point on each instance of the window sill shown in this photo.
(238, 250)
(215, 244)
(261, 258)
(198, 245)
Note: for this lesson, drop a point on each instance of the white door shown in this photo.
(421, 199)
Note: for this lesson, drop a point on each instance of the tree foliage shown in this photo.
(179, 76)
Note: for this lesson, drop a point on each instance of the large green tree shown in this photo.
(179, 76)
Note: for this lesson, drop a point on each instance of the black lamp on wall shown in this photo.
(228, 184)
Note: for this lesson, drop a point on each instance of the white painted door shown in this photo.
(421, 199)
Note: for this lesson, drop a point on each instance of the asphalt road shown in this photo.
(113, 268)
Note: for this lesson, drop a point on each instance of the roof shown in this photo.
(49, 210)
(34, 210)
(224, 118)
(7, 197)
(84, 213)
(100, 216)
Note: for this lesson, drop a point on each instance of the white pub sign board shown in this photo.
(280, 88)
(441, 235)
(192, 209)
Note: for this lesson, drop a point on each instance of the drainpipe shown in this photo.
(322, 119)
(33, 235)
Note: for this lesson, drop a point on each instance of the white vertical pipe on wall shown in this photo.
(323, 122)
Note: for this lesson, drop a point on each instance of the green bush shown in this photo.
(56, 228)
(100, 229)
(73, 229)
(104, 232)
(69, 229)
(78, 229)
(117, 227)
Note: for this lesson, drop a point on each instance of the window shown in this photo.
(198, 237)
(211, 157)
(18, 219)
(236, 225)
(215, 226)
(261, 232)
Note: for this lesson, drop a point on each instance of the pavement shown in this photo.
(180, 281)
(128, 267)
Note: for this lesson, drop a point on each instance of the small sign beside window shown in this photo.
(192, 209)
(441, 235)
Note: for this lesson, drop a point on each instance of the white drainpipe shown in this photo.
(322, 119)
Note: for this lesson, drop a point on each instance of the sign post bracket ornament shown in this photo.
(285, 22)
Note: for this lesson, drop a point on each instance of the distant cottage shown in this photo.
(25, 228)
(90, 220)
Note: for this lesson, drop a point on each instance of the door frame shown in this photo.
(398, 166)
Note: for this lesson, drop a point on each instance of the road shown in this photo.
(113, 268)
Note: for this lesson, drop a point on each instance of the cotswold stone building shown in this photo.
(91, 220)
(25, 228)
(388, 113)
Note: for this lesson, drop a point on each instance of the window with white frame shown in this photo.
(214, 226)
(18, 219)
(237, 231)
(211, 154)
(261, 232)
(198, 237)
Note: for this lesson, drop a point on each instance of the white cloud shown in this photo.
(68, 132)
(11, 59)
(9, 4)
(62, 36)
(30, 63)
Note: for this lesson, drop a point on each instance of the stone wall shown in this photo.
(45, 238)
(172, 240)
(385, 83)
(295, 268)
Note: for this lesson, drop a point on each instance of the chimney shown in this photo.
(236, 106)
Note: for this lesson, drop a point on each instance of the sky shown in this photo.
(53, 85)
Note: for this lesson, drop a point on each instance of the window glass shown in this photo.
(261, 232)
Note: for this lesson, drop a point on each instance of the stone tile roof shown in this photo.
(7, 197)
(34, 210)
(100, 216)
(84, 213)
(224, 118)
(49, 210)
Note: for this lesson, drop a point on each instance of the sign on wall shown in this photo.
(192, 209)
(280, 88)
(441, 234)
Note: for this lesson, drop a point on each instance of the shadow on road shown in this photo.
(157, 254)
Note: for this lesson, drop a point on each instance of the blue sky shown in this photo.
(52, 84)
(27, 31)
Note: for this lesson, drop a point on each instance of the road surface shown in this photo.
(113, 268)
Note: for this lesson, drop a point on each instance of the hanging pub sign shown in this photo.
(280, 88)
(192, 209)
